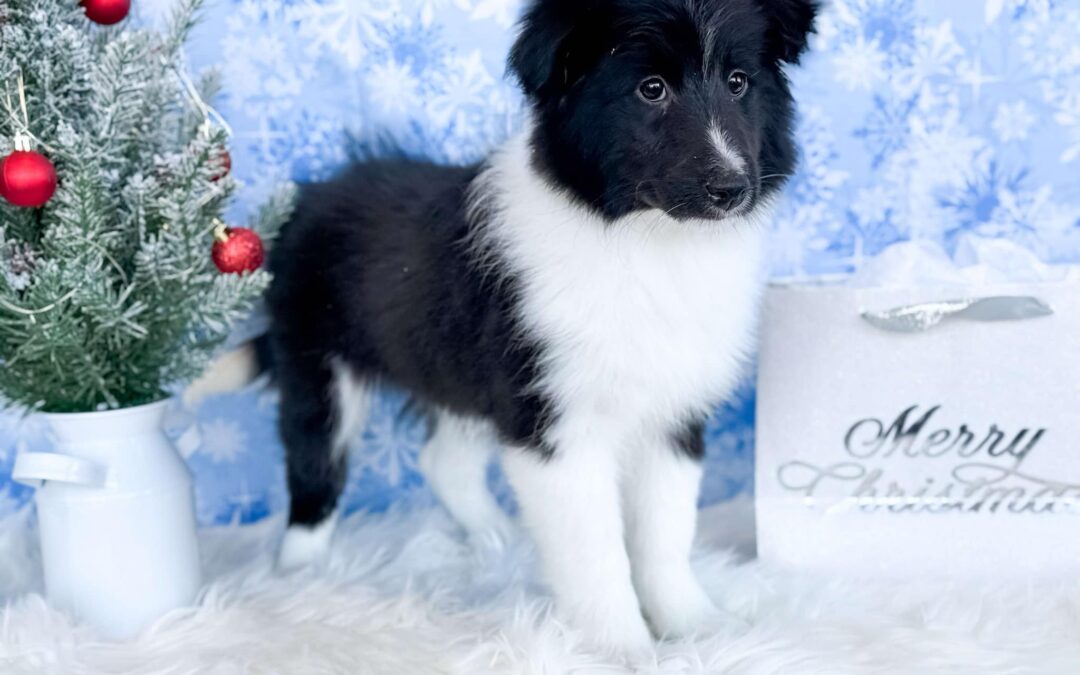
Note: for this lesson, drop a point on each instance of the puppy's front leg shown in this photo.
(570, 503)
(660, 495)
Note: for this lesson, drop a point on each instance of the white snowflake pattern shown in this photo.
(1068, 116)
(386, 448)
(502, 12)
(262, 73)
(872, 204)
(222, 440)
(860, 64)
(345, 29)
(397, 88)
(996, 9)
(1045, 43)
(468, 85)
(1013, 121)
(429, 9)
(936, 54)
(808, 210)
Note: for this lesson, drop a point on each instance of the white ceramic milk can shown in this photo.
(116, 517)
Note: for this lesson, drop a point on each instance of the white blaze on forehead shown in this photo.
(725, 149)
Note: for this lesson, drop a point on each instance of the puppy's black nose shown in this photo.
(727, 190)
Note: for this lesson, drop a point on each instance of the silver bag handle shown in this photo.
(924, 316)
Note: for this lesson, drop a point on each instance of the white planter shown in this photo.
(116, 517)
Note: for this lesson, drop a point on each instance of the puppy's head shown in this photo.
(676, 105)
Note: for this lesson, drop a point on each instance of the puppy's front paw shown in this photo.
(685, 610)
(625, 637)
(494, 536)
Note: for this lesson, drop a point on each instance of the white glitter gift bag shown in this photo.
(923, 417)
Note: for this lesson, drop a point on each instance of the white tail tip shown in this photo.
(231, 371)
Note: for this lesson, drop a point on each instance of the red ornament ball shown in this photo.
(237, 249)
(106, 12)
(27, 178)
(224, 160)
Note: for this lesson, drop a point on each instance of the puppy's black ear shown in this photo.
(545, 58)
(790, 24)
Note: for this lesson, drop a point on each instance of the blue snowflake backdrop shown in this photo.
(920, 118)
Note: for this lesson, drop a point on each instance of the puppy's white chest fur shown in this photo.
(643, 322)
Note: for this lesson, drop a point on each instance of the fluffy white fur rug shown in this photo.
(403, 595)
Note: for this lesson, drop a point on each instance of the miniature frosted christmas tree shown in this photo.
(114, 177)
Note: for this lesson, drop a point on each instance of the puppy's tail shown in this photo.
(232, 370)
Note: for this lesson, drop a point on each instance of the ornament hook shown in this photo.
(192, 91)
(23, 137)
(221, 230)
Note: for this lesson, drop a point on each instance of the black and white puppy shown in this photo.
(583, 298)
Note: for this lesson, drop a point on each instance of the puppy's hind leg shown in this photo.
(323, 407)
(454, 461)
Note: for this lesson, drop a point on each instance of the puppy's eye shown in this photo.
(653, 89)
(738, 82)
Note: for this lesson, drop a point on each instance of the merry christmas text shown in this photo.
(985, 474)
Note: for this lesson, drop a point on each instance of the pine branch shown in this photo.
(108, 297)
(184, 18)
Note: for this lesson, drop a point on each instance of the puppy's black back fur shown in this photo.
(376, 270)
